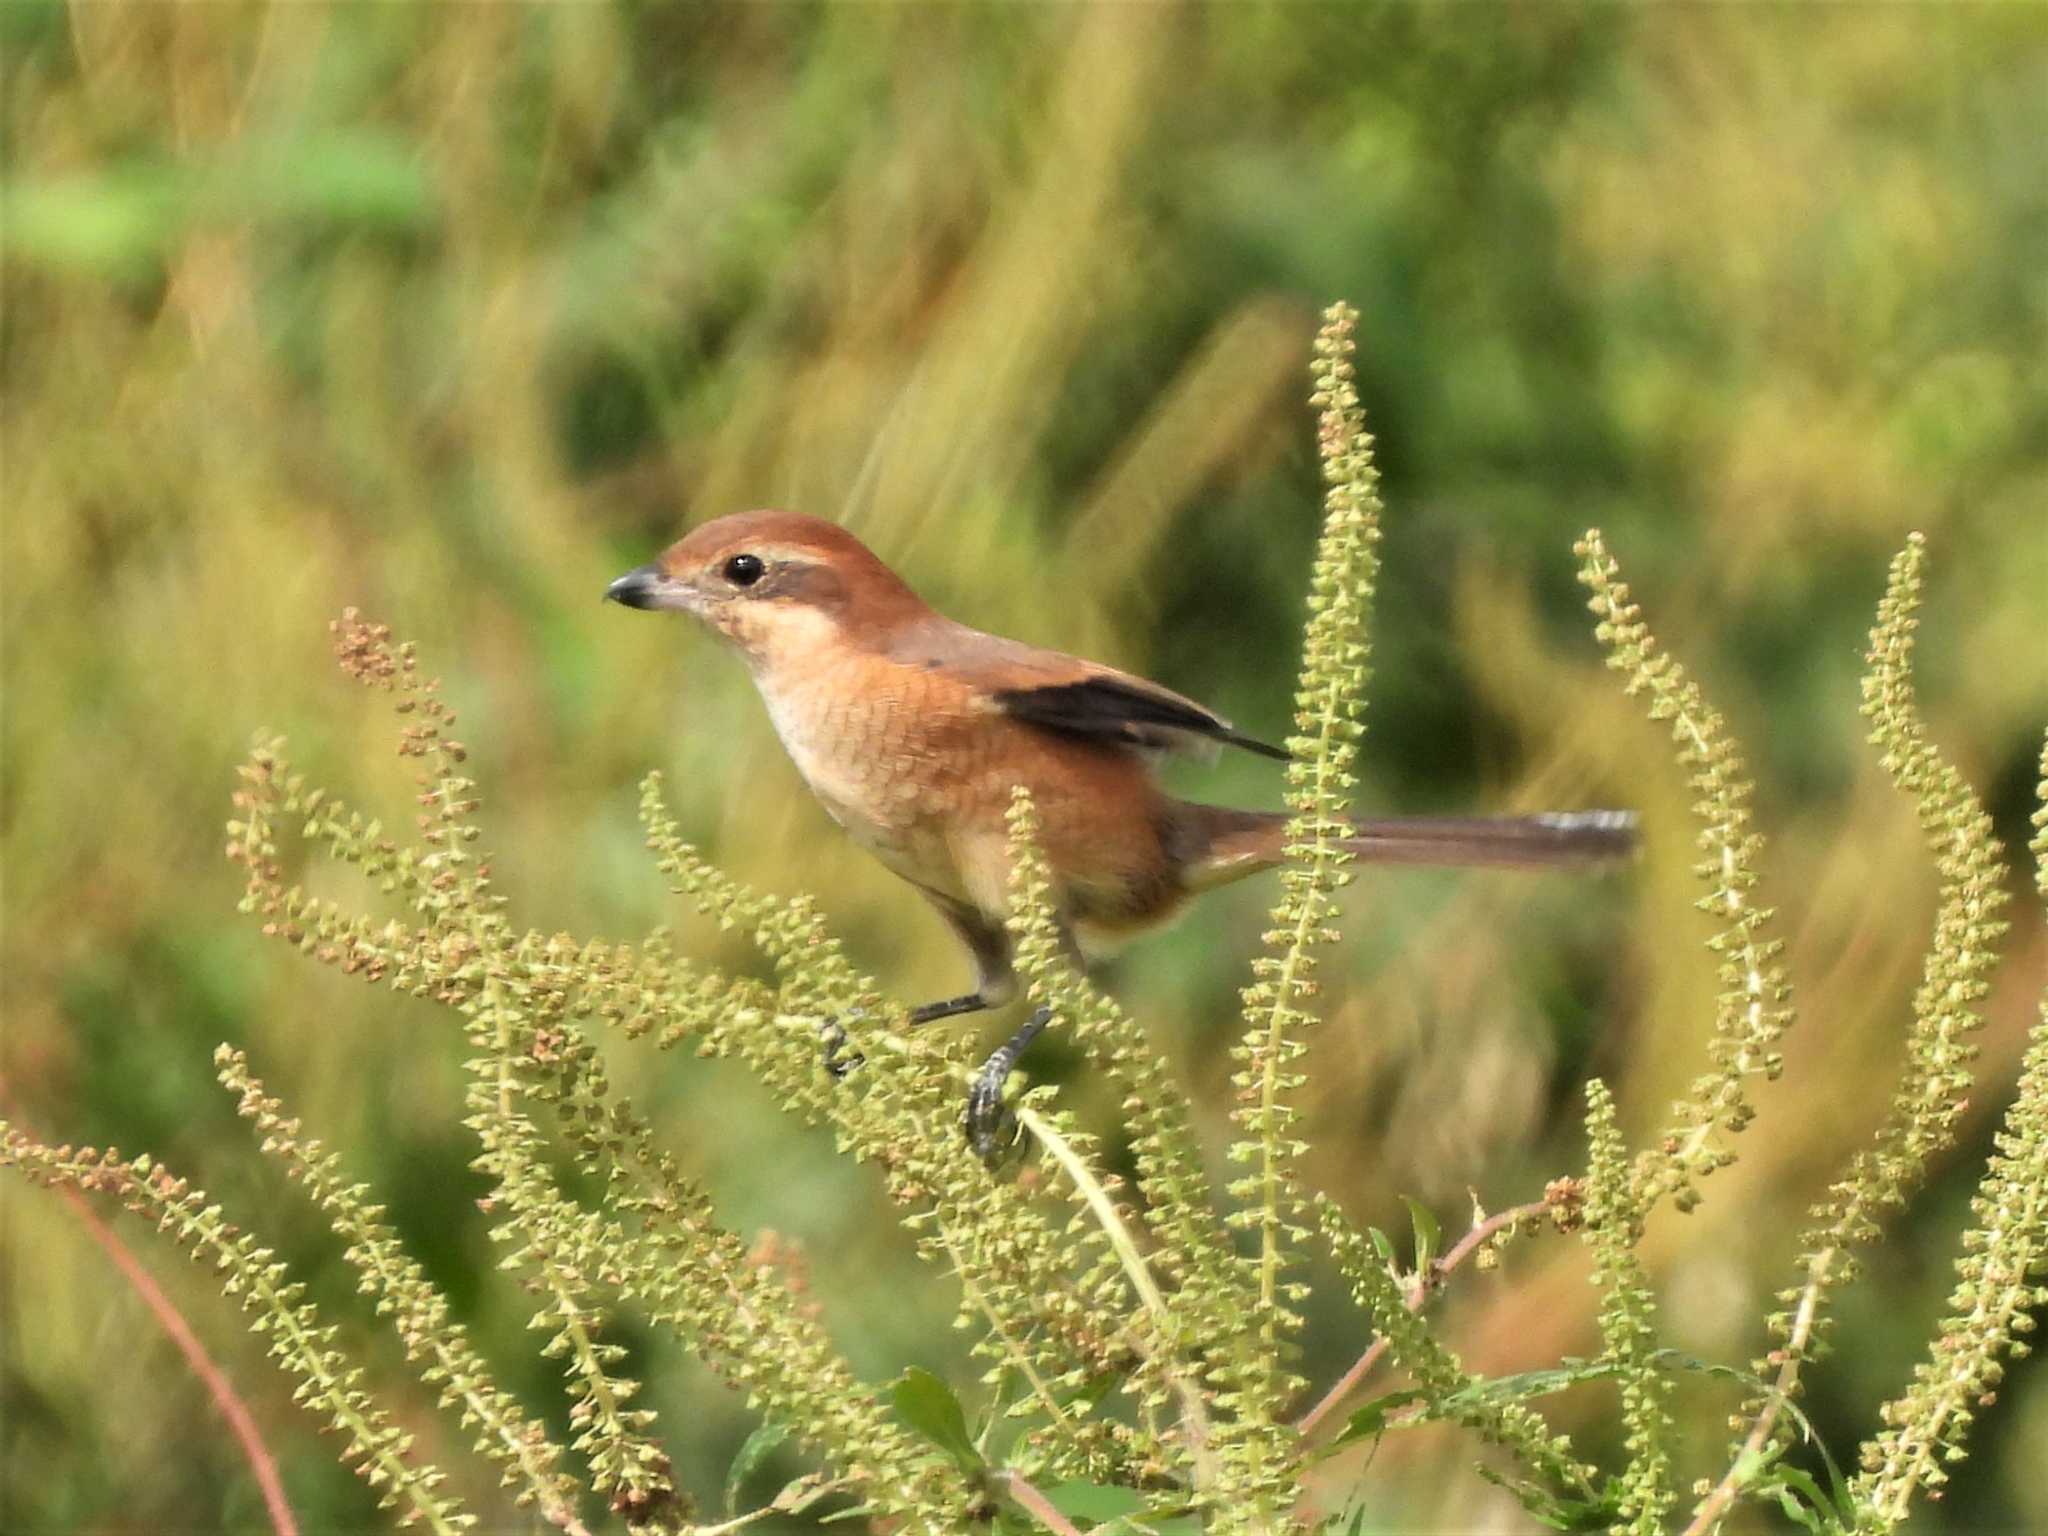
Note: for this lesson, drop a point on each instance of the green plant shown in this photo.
(1138, 1342)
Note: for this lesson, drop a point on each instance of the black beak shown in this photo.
(637, 588)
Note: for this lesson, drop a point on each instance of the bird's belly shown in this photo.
(914, 847)
(930, 798)
(873, 789)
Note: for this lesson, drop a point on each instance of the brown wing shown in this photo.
(1075, 698)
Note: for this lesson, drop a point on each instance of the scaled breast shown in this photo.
(844, 727)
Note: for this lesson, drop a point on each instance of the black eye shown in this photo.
(744, 570)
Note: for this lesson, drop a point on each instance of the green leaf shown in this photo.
(1559, 1513)
(1754, 1386)
(1092, 1501)
(1845, 1501)
(1375, 1417)
(1348, 1521)
(1427, 1234)
(1117, 1511)
(859, 1512)
(928, 1406)
(752, 1452)
(1369, 1422)
(1523, 1385)
(1802, 1500)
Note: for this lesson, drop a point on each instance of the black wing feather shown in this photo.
(1105, 710)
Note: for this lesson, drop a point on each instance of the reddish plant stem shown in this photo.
(241, 1422)
(1425, 1285)
(1714, 1507)
(1026, 1496)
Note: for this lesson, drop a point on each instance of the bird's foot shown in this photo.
(990, 1126)
(839, 1061)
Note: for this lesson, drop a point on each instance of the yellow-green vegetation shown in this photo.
(451, 313)
(1138, 1364)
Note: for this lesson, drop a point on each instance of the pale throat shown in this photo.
(842, 740)
(797, 656)
(785, 646)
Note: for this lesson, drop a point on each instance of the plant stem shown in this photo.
(1419, 1292)
(1027, 1497)
(241, 1422)
(1716, 1503)
(1194, 1410)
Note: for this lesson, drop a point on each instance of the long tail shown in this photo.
(1225, 845)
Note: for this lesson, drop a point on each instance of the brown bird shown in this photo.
(912, 730)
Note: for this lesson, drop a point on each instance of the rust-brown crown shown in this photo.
(750, 559)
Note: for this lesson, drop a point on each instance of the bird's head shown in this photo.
(774, 584)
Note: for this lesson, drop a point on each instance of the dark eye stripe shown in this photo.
(744, 570)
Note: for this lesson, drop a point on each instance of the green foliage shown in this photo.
(1754, 1012)
(1442, 1382)
(1329, 706)
(1754, 1006)
(521, 996)
(1997, 1273)
(1139, 1370)
(1936, 1077)
(328, 1386)
(1628, 1317)
(440, 1346)
(454, 312)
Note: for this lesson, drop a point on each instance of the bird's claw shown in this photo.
(839, 1062)
(991, 1129)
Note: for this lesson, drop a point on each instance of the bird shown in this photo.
(913, 730)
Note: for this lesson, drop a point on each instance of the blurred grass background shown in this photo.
(455, 312)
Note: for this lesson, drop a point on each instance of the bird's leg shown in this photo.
(839, 1062)
(948, 1008)
(987, 1120)
(988, 942)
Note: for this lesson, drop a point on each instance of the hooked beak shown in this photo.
(647, 586)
